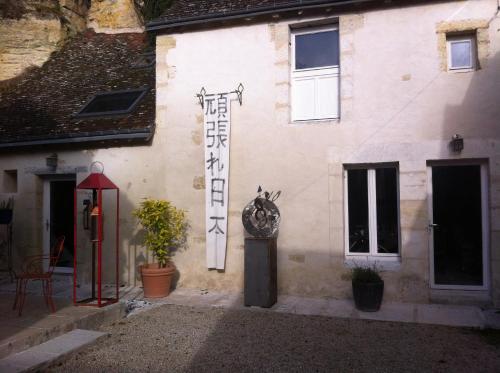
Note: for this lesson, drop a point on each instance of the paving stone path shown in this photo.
(192, 339)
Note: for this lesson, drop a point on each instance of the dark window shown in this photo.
(318, 49)
(357, 191)
(112, 103)
(372, 207)
(457, 225)
(387, 211)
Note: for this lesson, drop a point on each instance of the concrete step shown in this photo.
(37, 324)
(39, 357)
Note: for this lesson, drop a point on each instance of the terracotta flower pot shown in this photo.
(156, 281)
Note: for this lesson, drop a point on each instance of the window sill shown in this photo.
(383, 263)
(461, 70)
(314, 122)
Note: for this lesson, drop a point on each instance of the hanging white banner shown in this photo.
(217, 125)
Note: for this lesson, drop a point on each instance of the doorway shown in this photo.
(458, 226)
(58, 219)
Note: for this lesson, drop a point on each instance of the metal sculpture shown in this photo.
(261, 217)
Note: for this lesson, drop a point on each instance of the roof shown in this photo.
(189, 13)
(96, 181)
(40, 106)
(188, 8)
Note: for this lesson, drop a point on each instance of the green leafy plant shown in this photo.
(365, 274)
(7, 205)
(165, 227)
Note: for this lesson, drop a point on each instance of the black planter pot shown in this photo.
(5, 216)
(368, 295)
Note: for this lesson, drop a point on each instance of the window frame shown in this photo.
(297, 74)
(131, 108)
(372, 211)
(471, 39)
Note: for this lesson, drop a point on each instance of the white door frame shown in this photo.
(485, 223)
(46, 217)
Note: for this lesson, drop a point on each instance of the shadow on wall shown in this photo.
(475, 119)
(477, 115)
(131, 252)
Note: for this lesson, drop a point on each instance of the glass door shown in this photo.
(458, 226)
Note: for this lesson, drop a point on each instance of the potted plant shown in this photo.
(6, 208)
(165, 227)
(367, 288)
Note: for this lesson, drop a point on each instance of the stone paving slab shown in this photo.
(437, 314)
(450, 315)
(48, 352)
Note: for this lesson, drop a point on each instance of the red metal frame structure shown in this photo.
(97, 182)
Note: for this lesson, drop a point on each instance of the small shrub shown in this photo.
(7, 205)
(165, 227)
(365, 274)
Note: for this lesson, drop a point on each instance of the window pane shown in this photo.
(303, 99)
(461, 54)
(357, 192)
(111, 102)
(317, 50)
(387, 211)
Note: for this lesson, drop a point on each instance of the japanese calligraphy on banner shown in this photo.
(217, 126)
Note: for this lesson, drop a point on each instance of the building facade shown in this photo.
(379, 123)
(350, 111)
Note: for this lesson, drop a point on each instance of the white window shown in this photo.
(461, 52)
(372, 210)
(315, 73)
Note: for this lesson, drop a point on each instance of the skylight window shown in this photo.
(112, 103)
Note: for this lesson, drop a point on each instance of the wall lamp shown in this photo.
(51, 161)
(457, 143)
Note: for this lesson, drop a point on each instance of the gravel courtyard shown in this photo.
(187, 339)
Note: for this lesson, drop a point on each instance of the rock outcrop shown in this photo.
(30, 30)
(114, 16)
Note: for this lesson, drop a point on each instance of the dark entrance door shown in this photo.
(61, 218)
(457, 225)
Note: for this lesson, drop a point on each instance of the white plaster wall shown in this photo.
(397, 105)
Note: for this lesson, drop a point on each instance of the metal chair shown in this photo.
(33, 269)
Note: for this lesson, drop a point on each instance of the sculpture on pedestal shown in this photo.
(261, 217)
